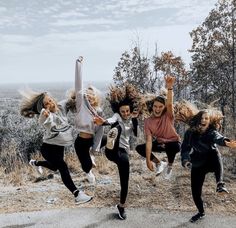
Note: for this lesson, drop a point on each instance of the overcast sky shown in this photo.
(40, 39)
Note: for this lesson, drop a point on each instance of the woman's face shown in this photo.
(125, 112)
(205, 122)
(158, 108)
(49, 103)
(92, 98)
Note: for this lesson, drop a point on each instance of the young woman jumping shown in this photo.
(124, 124)
(57, 135)
(88, 105)
(160, 132)
(200, 153)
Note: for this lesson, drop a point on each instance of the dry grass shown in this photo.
(145, 189)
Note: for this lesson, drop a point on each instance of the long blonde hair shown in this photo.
(31, 102)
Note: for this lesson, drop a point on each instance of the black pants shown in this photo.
(82, 148)
(121, 158)
(214, 164)
(54, 156)
(171, 149)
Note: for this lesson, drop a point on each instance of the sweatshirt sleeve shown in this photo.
(46, 122)
(63, 106)
(113, 119)
(186, 148)
(78, 84)
(219, 139)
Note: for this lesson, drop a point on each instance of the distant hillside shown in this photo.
(57, 89)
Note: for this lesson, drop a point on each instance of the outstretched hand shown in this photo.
(98, 120)
(231, 143)
(170, 80)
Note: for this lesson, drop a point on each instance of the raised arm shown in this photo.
(170, 80)
(78, 82)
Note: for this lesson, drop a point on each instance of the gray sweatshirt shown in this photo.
(85, 112)
(58, 131)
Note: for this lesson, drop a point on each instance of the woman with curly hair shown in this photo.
(88, 105)
(57, 135)
(200, 153)
(124, 125)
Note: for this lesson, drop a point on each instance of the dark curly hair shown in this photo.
(127, 95)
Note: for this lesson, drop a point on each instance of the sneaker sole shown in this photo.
(222, 193)
(111, 141)
(195, 221)
(86, 201)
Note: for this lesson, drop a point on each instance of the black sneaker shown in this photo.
(197, 217)
(121, 212)
(221, 189)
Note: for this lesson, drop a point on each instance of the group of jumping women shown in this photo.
(198, 148)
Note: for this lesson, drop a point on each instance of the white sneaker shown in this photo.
(111, 138)
(160, 167)
(82, 198)
(93, 161)
(91, 178)
(168, 172)
(39, 169)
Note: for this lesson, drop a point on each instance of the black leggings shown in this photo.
(121, 158)
(171, 148)
(214, 164)
(82, 148)
(54, 154)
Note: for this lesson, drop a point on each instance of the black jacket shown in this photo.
(199, 148)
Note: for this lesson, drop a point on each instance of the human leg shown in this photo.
(82, 147)
(160, 165)
(121, 158)
(171, 148)
(217, 168)
(197, 180)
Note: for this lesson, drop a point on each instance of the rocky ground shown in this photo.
(26, 191)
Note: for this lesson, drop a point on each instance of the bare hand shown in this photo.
(46, 113)
(80, 59)
(150, 165)
(135, 113)
(98, 120)
(170, 80)
(231, 143)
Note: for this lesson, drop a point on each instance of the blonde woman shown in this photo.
(57, 135)
(88, 105)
